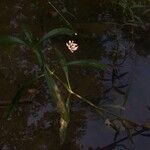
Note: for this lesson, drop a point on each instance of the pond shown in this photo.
(105, 31)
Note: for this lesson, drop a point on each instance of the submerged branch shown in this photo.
(112, 145)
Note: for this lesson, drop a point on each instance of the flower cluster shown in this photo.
(72, 46)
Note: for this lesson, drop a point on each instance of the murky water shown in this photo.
(35, 125)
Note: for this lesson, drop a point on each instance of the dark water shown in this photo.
(36, 125)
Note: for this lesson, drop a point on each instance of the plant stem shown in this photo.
(97, 109)
(67, 22)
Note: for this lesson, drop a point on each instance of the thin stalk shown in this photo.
(97, 109)
(68, 99)
(67, 22)
(52, 73)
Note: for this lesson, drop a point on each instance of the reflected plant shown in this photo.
(129, 10)
(132, 11)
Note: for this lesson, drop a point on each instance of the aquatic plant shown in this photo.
(51, 78)
(63, 106)
(29, 41)
(35, 45)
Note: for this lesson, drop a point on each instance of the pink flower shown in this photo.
(72, 46)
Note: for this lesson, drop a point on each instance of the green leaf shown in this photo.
(8, 40)
(60, 103)
(20, 93)
(146, 11)
(39, 55)
(28, 33)
(64, 66)
(136, 6)
(57, 98)
(89, 63)
(57, 32)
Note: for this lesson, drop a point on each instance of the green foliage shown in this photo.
(28, 33)
(89, 63)
(15, 101)
(64, 66)
(61, 105)
(57, 32)
(128, 8)
(9, 40)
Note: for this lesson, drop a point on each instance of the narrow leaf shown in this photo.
(39, 56)
(28, 33)
(60, 104)
(57, 32)
(63, 64)
(89, 63)
(8, 40)
(20, 93)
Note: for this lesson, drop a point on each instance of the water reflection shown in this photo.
(38, 132)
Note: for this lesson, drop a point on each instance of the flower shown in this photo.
(72, 46)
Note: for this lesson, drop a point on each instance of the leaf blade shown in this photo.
(60, 103)
(90, 63)
(57, 32)
(11, 40)
(20, 93)
(64, 66)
